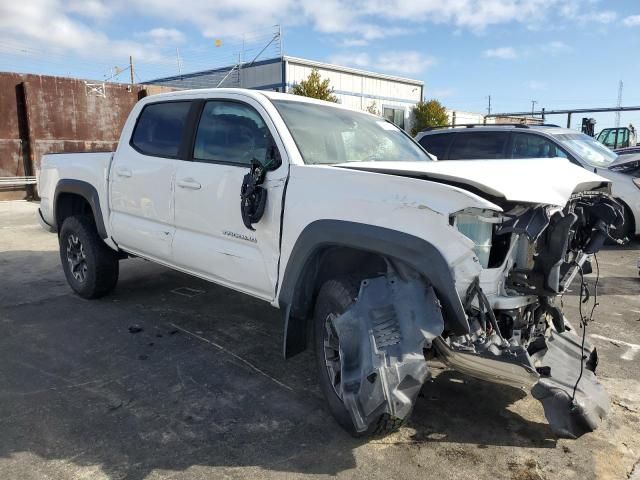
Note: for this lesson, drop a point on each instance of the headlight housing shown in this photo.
(477, 226)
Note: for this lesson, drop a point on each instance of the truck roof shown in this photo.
(255, 94)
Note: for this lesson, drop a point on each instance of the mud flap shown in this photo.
(382, 337)
(562, 356)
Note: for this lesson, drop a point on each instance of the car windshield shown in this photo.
(588, 149)
(328, 135)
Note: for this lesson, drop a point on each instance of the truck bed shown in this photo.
(91, 168)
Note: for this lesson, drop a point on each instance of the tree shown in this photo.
(428, 114)
(371, 108)
(315, 87)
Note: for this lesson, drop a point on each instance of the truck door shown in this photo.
(211, 239)
(141, 180)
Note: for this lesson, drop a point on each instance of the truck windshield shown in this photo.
(588, 149)
(327, 135)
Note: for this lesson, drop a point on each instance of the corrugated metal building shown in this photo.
(388, 95)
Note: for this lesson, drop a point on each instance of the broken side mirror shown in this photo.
(253, 196)
(272, 158)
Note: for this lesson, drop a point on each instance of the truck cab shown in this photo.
(620, 137)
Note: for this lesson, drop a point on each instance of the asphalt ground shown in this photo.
(174, 377)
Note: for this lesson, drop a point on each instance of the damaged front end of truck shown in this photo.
(525, 258)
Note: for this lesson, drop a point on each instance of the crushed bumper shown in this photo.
(550, 374)
(569, 417)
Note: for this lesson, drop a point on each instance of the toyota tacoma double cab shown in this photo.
(378, 256)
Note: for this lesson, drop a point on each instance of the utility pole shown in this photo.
(533, 106)
(179, 61)
(131, 68)
(489, 106)
(620, 85)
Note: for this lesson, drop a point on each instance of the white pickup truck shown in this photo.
(378, 256)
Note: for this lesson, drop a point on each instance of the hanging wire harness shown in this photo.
(585, 320)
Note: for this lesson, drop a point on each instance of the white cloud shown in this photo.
(44, 26)
(361, 21)
(575, 11)
(472, 14)
(78, 27)
(536, 85)
(632, 21)
(556, 48)
(598, 17)
(503, 53)
(355, 42)
(89, 8)
(403, 63)
(163, 35)
(524, 51)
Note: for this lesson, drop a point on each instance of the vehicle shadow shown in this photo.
(150, 379)
(632, 244)
(456, 408)
(611, 285)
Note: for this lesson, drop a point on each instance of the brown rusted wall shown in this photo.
(10, 146)
(58, 115)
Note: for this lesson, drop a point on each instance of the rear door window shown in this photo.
(437, 144)
(160, 128)
(479, 145)
(525, 145)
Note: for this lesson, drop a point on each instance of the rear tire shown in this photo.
(334, 298)
(90, 266)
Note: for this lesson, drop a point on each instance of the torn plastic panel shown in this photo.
(382, 337)
(532, 222)
(597, 212)
(550, 374)
(559, 251)
(560, 360)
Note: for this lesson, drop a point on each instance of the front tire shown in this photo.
(90, 266)
(334, 298)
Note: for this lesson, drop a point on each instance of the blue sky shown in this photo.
(561, 53)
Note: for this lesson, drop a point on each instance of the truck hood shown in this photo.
(626, 162)
(549, 181)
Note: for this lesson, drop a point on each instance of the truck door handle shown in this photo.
(123, 172)
(189, 183)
